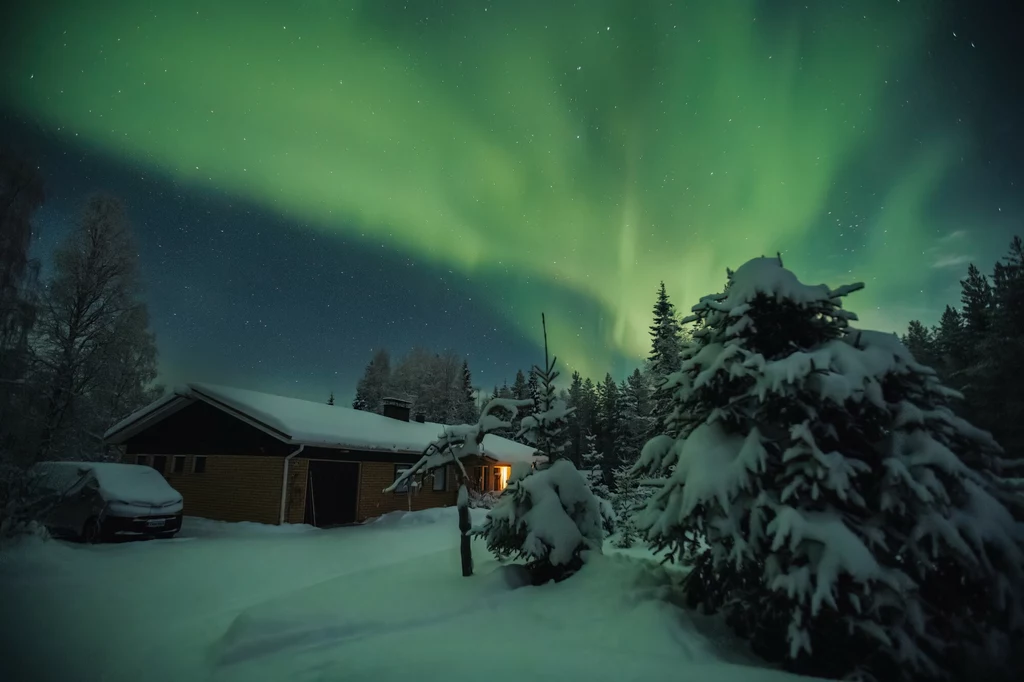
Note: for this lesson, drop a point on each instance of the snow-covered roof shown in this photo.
(314, 424)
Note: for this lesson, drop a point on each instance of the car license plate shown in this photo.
(154, 523)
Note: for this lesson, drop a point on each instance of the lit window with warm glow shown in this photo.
(503, 473)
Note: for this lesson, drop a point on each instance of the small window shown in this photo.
(399, 470)
(160, 463)
(440, 479)
(141, 459)
(198, 465)
(179, 464)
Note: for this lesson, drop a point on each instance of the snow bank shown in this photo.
(196, 527)
(443, 515)
(608, 623)
(371, 602)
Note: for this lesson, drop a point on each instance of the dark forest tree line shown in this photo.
(439, 385)
(978, 348)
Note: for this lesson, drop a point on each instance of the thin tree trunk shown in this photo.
(464, 528)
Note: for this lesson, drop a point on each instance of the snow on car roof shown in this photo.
(129, 483)
(318, 424)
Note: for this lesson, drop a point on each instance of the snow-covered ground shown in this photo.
(384, 601)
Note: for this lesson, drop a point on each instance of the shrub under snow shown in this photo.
(854, 524)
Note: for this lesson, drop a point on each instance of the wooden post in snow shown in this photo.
(464, 528)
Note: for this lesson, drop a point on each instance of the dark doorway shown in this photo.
(331, 489)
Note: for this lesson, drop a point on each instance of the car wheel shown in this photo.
(91, 532)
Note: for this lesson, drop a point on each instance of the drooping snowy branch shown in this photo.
(463, 440)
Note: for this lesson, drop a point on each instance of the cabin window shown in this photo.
(160, 463)
(199, 465)
(481, 479)
(496, 478)
(503, 474)
(399, 470)
(440, 479)
(178, 464)
(141, 459)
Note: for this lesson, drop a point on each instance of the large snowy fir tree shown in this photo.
(548, 514)
(854, 525)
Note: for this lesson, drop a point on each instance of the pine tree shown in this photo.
(635, 420)
(854, 524)
(920, 341)
(546, 428)
(371, 388)
(330, 399)
(666, 349)
(588, 406)
(519, 390)
(977, 302)
(576, 433)
(593, 466)
(949, 341)
(607, 423)
(532, 390)
(469, 411)
(993, 391)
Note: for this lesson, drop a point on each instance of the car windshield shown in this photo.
(598, 339)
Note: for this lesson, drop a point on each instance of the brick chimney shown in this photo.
(397, 408)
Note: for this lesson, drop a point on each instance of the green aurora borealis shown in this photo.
(598, 148)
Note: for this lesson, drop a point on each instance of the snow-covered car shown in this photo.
(97, 501)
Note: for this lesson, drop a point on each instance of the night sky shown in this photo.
(311, 180)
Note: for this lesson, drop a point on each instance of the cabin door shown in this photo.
(331, 491)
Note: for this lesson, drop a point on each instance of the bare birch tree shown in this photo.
(96, 355)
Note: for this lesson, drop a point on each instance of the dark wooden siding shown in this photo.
(342, 455)
(237, 487)
(201, 429)
(373, 501)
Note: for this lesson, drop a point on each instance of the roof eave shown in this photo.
(126, 430)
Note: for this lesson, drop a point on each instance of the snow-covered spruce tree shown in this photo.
(547, 515)
(854, 524)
